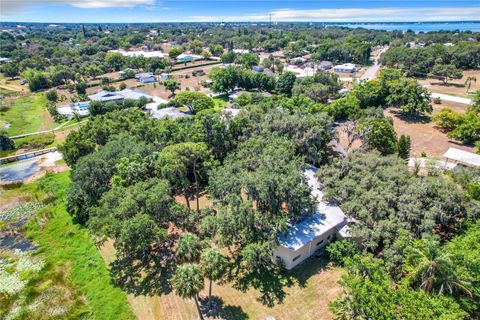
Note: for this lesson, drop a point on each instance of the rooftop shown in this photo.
(464, 157)
(325, 218)
(146, 54)
(103, 95)
(171, 112)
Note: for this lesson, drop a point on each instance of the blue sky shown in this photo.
(236, 10)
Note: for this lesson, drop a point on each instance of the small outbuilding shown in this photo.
(462, 158)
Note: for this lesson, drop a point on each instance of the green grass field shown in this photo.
(68, 247)
(26, 114)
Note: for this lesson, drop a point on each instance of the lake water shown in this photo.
(417, 26)
(19, 170)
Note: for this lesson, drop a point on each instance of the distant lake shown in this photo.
(416, 26)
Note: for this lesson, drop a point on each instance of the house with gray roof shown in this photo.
(147, 77)
(119, 96)
(312, 233)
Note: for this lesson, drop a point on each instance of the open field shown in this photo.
(312, 285)
(26, 114)
(12, 85)
(425, 136)
(454, 87)
(70, 256)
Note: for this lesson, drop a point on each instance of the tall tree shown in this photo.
(188, 282)
(188, 248)
(404, 147)
(214, 265)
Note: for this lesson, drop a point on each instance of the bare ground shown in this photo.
(454, 87)
(426, 136)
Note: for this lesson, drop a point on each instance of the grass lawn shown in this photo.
(65, 246)
(220, 102)
(27, 114)
(306, 294)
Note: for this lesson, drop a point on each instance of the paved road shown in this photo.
(448, 97)
(371, 72)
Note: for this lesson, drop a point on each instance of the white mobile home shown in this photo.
(313, 232)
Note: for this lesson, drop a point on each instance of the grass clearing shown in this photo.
(315, 284)
(26, 114)
(68, 249)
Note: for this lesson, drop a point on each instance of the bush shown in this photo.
(52, 109)
(340, 250)
(36, 141)
(123, 86)
(52, 95)
(437, 100)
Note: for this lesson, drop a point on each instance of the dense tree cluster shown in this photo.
(437, 60)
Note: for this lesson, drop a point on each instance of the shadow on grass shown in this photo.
(221, 311)
(149, 278)
(411, 118)
(272, 283)
(456, 85)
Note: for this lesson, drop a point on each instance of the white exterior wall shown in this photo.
(287, 256)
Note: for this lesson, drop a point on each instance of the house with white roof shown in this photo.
(141, 53)
(241, 51)
(462, 158)
(313, 232)
(345, 68)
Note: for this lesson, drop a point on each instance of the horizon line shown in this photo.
(237, 22)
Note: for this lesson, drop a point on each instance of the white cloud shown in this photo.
(355, 15)
(12, 7)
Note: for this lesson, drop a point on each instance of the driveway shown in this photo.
(447, 97)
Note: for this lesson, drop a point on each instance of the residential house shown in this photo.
(312, 233)
(345, 68)
(142, 53)
(147, 77)
(169, 112)
(187, 57)
(241, 51)
(118, 96)
(325, 65)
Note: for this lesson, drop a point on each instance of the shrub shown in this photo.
(52, 95)
(37, 141)
(123, 85)
(340, 250)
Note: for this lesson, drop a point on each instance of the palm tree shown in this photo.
(213, 264)
(188, 249)
(469, 81)
(432, 270)
(188, 282)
